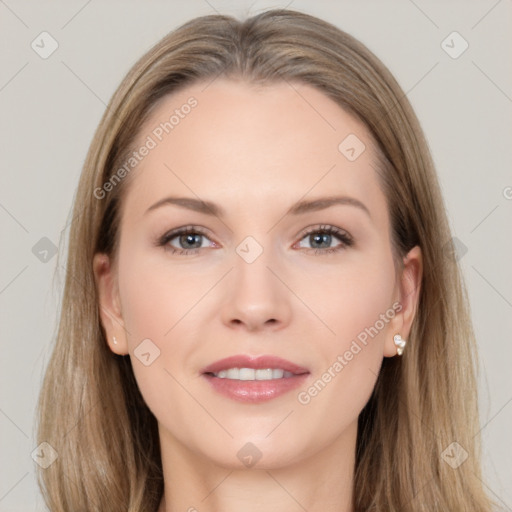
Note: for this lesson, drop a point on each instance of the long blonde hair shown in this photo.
(91, 411)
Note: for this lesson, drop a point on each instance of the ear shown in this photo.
(408, 294)
(109, 303)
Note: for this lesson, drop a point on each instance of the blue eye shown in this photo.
(189, 237)
(190, 240)
(321, 237)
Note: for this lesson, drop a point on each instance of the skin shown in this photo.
(255, 152)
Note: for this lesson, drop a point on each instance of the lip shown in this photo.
(255, 391)
(255, 362)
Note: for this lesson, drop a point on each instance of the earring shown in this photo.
(400, 344)
(115, 341)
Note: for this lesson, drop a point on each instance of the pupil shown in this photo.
(318, 238)
(190, 238)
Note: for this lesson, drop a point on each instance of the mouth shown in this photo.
(254, 379)
(252, 374)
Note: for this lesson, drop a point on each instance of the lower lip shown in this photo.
(255, 391)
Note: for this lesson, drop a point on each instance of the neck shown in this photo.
(320, 482)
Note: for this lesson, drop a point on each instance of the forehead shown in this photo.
(241, 144)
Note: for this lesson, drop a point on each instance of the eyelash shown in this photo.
(345, 239)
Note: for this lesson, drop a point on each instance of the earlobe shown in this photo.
(409, 288)
(109, 304)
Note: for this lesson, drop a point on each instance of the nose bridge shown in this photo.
(252, 262)
(256, 297)
(252, 266)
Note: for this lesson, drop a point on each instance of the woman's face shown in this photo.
(259, 273)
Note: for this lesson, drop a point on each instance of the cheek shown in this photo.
(155, 303)
(357, 297)
(360, 317)
(155, 296)
(160, 303)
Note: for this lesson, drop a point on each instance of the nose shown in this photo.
(255, 297)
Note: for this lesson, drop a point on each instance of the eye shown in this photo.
(189, 240)
(320, 239)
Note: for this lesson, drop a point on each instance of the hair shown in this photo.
(90, 408)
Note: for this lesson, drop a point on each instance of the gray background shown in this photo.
(50, 108)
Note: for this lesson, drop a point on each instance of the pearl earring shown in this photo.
(115, 341)
(400, 344)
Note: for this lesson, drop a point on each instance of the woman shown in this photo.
(260, 309)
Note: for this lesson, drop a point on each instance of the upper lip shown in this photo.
(256, 362)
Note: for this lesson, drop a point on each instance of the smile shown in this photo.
(252, 374)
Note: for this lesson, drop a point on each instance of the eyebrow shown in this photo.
(300, 208)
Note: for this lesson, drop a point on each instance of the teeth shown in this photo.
(252, 374)
(232, 373)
